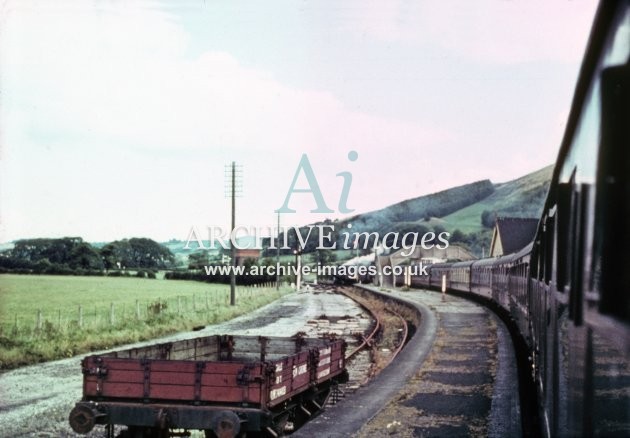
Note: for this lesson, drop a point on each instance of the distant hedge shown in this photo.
(241, 280)
(55, 269)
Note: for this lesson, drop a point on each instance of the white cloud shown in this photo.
(101, 98)
(122, 74)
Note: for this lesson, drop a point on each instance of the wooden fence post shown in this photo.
(137, 309)
(80, 316)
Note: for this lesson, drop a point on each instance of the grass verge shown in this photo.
(44, 318)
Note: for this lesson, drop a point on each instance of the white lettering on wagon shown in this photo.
(279, 370)
(299, 370)
(324, 361)
(324, 351)
(279, 392)
(323, 373)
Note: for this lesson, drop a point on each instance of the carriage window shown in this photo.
(563, 232)
(575, 299)
(549, 247)
(533, 272)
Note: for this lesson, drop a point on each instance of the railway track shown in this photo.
(377, 347)
(390, 330)
(374, 338)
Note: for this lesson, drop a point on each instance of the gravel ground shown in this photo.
(35, 401)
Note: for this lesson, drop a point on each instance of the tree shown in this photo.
(325, 256)
(84, 256)
(488, 218)
(46, 254)
(457, 236)
(117, 254)
(404, 228)
(438, 229)
(198, 259)
(137, 253)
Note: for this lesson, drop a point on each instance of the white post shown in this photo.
(443, 287)
(299, 271)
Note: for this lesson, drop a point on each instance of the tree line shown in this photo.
(74, 256)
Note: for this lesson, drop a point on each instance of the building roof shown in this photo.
(453, 252)
(248, 252)
(514, 233)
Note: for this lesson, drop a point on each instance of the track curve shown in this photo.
(349, 414)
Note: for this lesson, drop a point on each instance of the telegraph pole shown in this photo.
(278, 255)
(232, 246)
(232, 179)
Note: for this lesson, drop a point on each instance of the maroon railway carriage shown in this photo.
(225, 385)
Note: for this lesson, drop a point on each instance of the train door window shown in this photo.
(544, 253)
(540, 269)
(564, 233)
(534, 260)
(549, 244)
(575, 273)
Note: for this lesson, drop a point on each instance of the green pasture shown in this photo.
(49, 317)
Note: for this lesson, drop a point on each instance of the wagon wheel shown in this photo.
(225, 425)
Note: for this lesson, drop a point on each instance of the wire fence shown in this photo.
(103, 315)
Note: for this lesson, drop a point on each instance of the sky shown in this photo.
(117, 118)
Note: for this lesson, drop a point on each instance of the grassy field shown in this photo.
(50, 317)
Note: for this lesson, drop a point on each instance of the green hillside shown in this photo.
(522, 197)
(459, 210)
(414, 211)
(461, 207)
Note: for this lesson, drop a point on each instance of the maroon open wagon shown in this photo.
(225, 385)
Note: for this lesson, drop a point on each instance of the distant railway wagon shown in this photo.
(225, 385)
